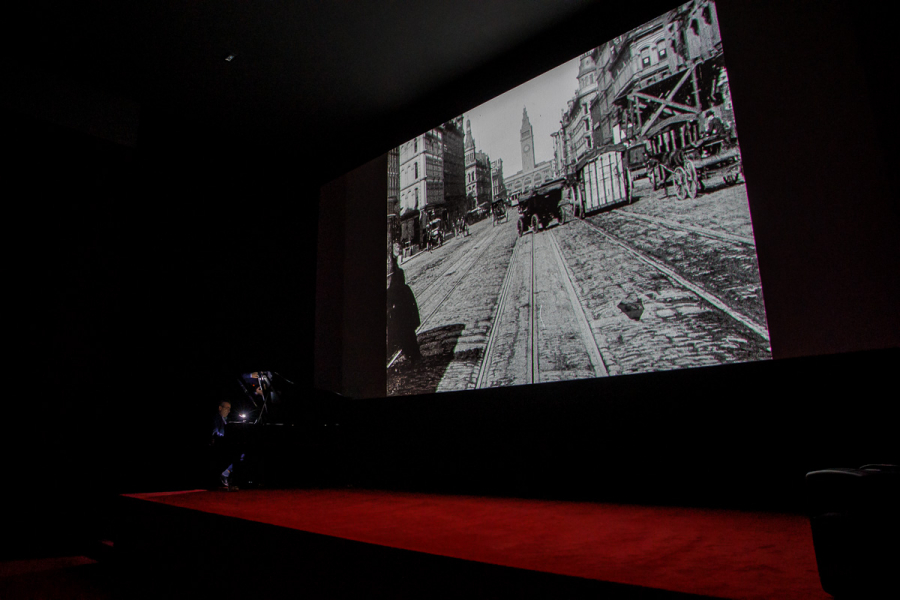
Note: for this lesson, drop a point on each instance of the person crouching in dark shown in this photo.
(402, 315)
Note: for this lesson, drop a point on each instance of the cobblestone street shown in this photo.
(658, 284)
(683, 235)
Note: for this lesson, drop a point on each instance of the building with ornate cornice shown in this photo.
(678, 51)
(575, 126)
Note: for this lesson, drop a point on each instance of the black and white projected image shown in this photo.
(593, 221)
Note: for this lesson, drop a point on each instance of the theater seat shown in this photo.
(856, 529)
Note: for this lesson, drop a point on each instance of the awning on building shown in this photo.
(409, 214)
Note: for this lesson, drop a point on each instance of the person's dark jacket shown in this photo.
(403, 315)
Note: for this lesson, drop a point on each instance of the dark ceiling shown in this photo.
(297, 64)
(302, 69)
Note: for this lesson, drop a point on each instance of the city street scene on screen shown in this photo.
(593, 221)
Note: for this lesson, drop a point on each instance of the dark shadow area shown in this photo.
(719, 436)
(239, 559)
(635, 198)
(611, 207)
(719, 184)
(552, 225)
(437, 348)
(88, 581)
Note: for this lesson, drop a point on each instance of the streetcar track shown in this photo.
(587, 335)
(431, 289)
(475, 255)
(534, 366)
(484, 368)
(472, 256)
(532, 358)
(720, 235)
(681, 281)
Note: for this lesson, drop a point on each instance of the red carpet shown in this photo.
(723, 553)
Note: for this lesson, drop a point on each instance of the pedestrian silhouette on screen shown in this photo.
(402, 315)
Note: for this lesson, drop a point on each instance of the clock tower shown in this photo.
(527, 141)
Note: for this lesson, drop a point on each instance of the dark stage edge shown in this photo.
(378, 544)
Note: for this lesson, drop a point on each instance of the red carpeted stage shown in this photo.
(337, 543)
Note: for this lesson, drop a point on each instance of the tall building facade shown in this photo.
(421, 183)
(478, 173)
(620, 82)
(421, 173)
(393, 203)
(453, 145)
(498, 185)
(576, 125)
(393, 182)
(533, 173)
(631, 64)
(559, 153)
(676, 53)
(702, 38)
(526, 139)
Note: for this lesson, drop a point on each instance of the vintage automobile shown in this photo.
(542, 205)
(475, 215)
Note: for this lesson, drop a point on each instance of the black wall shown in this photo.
(144, 281)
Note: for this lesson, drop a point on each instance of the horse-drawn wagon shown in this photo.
(498, 212)
(684, 154)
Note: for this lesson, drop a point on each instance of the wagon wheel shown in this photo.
(520, 226)
(562, 215)
(535, 223)
(681, 186)
(693, 180)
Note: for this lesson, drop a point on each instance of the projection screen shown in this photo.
(593, 221)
